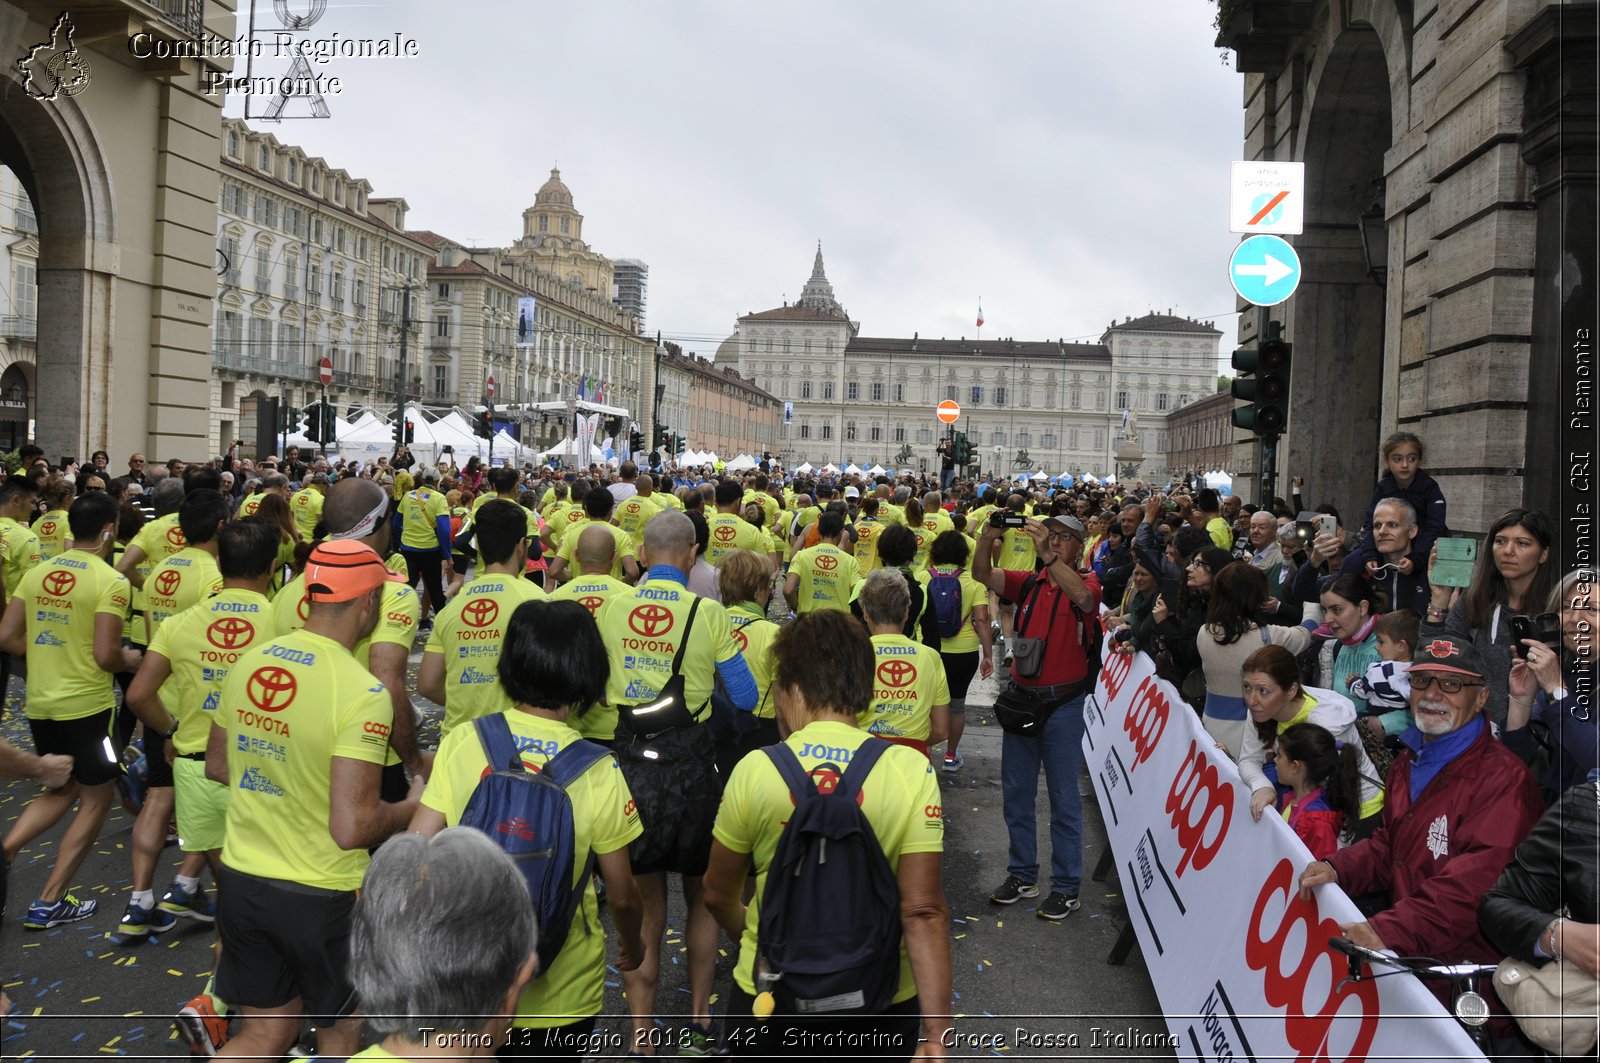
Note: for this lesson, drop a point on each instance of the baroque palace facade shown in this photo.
(1046, 405)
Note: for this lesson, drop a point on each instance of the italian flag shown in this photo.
(980, 314)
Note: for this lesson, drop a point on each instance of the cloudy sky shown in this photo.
(1064, 161)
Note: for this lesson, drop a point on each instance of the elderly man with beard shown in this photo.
(1457, 803)
(1394, 532)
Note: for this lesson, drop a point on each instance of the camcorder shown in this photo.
(1006, 519)
(1308, 525)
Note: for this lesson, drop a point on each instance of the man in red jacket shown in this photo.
(1457, 803)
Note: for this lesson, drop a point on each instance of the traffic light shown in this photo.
(319, 422)
(1267, 391)
(483, 423)
(635, 441)
(411, 430)
(288, 419)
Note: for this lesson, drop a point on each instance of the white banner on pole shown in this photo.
(1240, 962)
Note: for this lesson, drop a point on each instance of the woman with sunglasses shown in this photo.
(1556, 686)
(1514, 576)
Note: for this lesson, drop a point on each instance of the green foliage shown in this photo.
(1224, 383)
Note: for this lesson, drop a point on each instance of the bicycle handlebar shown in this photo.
(1422, 969)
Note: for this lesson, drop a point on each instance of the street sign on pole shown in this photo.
(326, 371)
(1264, 270)
(488, 388)
(1267, 197)
(949, 411)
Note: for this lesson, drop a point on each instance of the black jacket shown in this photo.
(1554, 866)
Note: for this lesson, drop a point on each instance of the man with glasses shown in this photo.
(1457, 803)
(136, 469)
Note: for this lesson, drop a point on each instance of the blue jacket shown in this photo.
(1426, 498)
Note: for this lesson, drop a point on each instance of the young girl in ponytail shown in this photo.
(1324, 783)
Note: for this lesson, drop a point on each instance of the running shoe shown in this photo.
(138, 923)
(701, 1042)
(953, 762)
(1058, 906)
(131, 785)
(1013, 889)
(43, 916)
(200, 1025)
(196, 905)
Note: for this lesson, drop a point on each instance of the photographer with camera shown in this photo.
(1041, 708)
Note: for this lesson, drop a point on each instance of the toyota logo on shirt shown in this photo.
(271, 689)
(827, 562)
(167, 581)
(897, 673)
(651, 621)
(480, 612)
(59, 582)
(230, 633)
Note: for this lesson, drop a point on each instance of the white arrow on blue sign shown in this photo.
(1264, 270)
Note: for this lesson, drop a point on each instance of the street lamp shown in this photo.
(405, 291)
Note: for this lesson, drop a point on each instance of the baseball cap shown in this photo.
(1446, 653)
(428, 475)
(1072, 524)
(342, 569)
(851, 492)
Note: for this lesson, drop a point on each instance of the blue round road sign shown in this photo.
(1264, 270)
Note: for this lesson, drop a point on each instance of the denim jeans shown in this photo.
(947, 477)
(1059, 747)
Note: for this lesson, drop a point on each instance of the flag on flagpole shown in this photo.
(583, 386)
(980, 313)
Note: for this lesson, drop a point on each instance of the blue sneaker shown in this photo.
(952, 762)
(131, 785)
(140, 922)
(43, 916)
(196, 905)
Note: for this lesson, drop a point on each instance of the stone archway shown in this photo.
(55, 155)
(1336, 319)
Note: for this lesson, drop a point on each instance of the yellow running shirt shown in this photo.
(919, 561)
(248, 507)
(202, 644)
(159, 539)
(754, 633)
(1016, 551)
(729, 531)
(191, 575)
(937, 522)
(306, 505)
(867, 531)
(642, 630)
(826, 575)
(569, 546)
(469, 632)
(900, 798)
(401, 609)
(591, 592)
(289, 707)
(973, 594)
(419, 513)
(907, 683)
(633, 514)
(19, 551)
(53, 532)
(61, 598)
(604, 819)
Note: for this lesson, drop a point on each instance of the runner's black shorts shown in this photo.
(282, 940)
(674, 781)
(87, 740)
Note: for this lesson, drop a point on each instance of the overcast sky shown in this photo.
(1064, 161)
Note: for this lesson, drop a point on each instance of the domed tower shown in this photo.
(818, 293)
(552, 238)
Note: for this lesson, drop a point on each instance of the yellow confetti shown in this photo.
(30, 945)
(88, 1000)
(999, 922)
(132, 1014)
(960, 936)
(10, 985)
(173, 973)
(114, 1040)
(714, 997)
(986, 963)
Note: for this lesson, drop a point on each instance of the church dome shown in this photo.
(554, 191)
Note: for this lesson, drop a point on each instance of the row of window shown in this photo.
(308, 178)
(998, 396)
(877, 433)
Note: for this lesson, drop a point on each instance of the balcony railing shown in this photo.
(19, 327)
(187, 15)
(267, 367)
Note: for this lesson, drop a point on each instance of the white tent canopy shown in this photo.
(877, 470)
(805, 467)
(739, 464)
(568, 448)
(853, 469)
(830, 468)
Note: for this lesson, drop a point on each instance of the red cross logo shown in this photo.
(592, 602)
(1441, 649)
(271, 689)
(725, 533)
(897, 673)
(230, 633)
(651, 621)
(59, 581)
(827, 562)
(480, 612)
(175, 537)
(167, 581)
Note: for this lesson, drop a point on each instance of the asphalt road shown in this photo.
(1026, 988)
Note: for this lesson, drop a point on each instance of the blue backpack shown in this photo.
(829, 933)
(945, 591)
(529, 815)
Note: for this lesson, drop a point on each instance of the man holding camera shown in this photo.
(1041, 708)
(947, 462)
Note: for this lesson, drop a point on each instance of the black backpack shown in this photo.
(829, 932)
